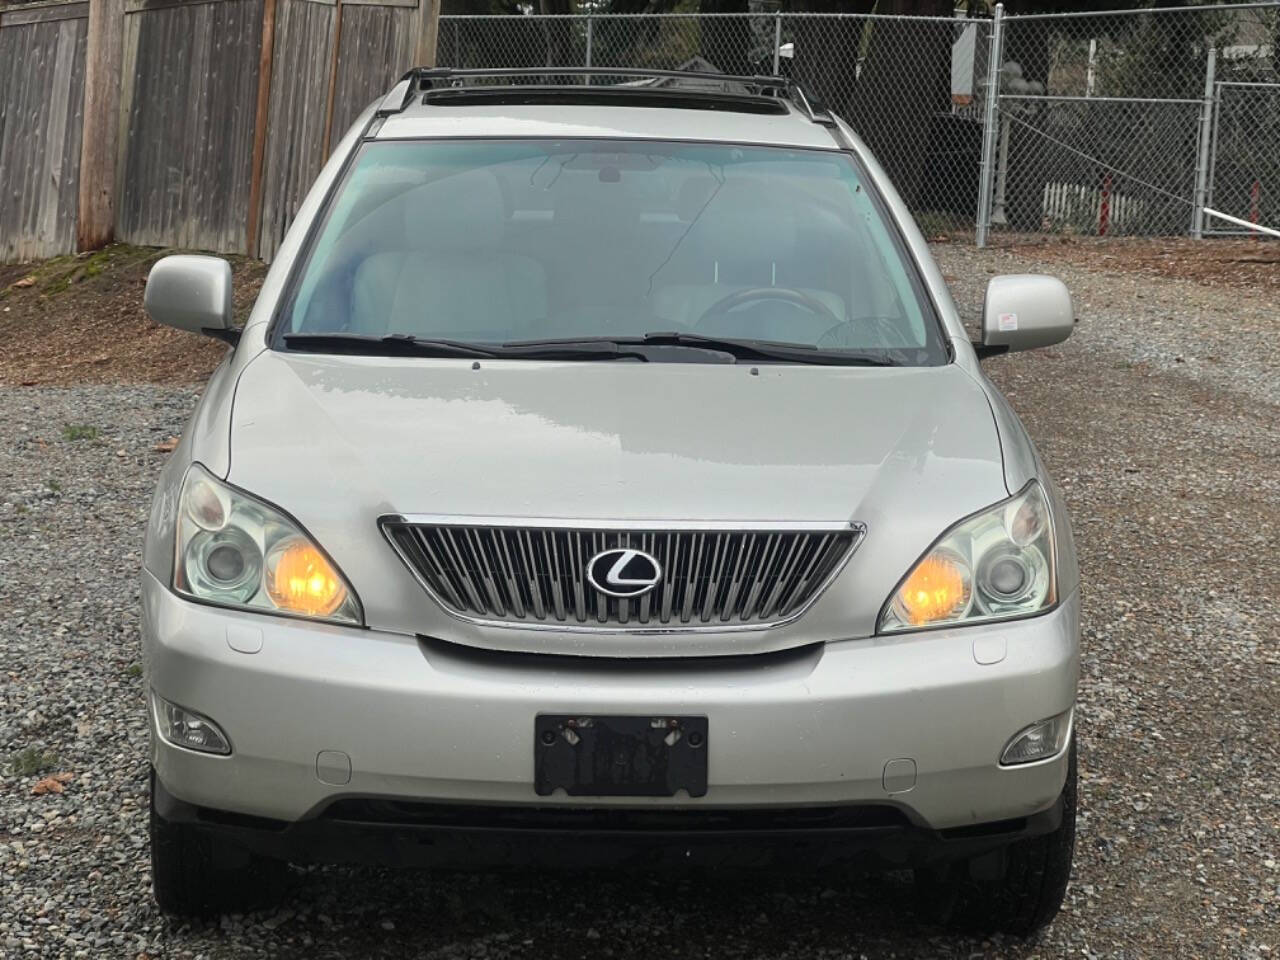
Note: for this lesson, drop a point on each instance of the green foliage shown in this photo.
(79, 431)
(30, 762)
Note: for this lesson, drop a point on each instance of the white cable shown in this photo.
(1241, 223)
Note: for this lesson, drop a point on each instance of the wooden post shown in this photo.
(333, 79)
(265, 57)
(1104, 205)
(96, 224)
(426, 33)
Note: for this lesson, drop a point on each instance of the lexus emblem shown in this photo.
(623, 572)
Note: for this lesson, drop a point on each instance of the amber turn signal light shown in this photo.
(937, 589)
(301, 580)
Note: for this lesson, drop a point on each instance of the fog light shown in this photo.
(1038, 741)
(185, 728)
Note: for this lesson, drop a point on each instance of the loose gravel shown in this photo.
(1159, 418)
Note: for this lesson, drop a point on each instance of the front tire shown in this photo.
(1028, 891)
(193, 875)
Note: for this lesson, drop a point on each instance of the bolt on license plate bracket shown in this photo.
(620, 756)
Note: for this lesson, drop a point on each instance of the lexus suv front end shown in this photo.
(604, 476)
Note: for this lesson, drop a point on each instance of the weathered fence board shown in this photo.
(376, 48)
(41, 108)
(299, 85)
(188, 115)
(188, 140)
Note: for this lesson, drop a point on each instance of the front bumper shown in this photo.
(430, 721)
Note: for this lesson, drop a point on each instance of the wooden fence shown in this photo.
(42, 54)
(206, 120)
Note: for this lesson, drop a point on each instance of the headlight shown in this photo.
(235, 550)
(995, 565)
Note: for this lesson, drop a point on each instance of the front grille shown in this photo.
(537, 575)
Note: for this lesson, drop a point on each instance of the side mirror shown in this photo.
(1024, 311)
(192, 293)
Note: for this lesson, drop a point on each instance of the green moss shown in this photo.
(59, 274)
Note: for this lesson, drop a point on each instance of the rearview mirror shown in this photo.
(1024, 311)
(192, 293)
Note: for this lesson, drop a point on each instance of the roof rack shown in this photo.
(682, 87)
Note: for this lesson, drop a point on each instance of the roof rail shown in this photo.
(421, 80)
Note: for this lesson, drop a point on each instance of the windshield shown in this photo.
(504, 242)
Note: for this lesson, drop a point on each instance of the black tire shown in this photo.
(194, 875)
(1024, 896)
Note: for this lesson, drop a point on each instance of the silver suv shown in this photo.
(604, 475)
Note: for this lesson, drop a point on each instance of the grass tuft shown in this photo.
(31, 761)
(79, 431)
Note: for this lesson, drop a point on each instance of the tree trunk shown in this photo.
(826, 50)
(96, 224)
(1027, 44)
(557, 33)
(903, 89)
(726, 41)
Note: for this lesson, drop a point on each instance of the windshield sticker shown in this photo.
(1008, 321)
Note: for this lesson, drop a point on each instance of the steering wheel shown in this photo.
(761, 294)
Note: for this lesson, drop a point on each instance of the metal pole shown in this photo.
(1213, 146)
(590, 36)
(777, 42)
(1202, 146)
(1002, 175)
(986, 175)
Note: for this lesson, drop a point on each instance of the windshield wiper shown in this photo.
(586, 348)
(770, 350)
(393, 344)
(402, 344)
(759, 350)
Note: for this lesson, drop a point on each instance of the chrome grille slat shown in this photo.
(535, 574)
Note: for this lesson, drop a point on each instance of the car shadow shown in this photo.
(367, 912)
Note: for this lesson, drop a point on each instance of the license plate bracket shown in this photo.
(620, 756)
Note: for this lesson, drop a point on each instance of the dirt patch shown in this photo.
(1218, 262)
(79, 319)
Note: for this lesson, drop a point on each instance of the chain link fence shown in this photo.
(1124, 122)
(908, 84)
(1107, 119)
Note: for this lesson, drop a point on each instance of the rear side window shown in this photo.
(507, 241)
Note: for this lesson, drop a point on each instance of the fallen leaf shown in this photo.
(25, 282)
(53, 784)
(166, 446)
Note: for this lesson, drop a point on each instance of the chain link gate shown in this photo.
(1244, 164)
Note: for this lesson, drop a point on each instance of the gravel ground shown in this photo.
(1160, 420)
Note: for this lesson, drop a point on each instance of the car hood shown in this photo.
(340, 441)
